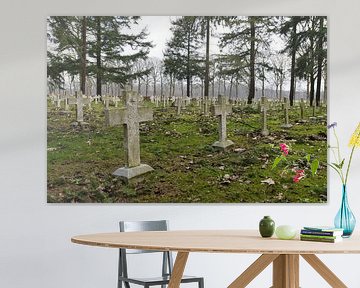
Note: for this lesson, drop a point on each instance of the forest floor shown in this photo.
(187, 169)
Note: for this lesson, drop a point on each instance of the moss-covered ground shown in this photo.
(187, 169)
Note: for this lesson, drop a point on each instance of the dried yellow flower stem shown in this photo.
(355, 138)
(354, 142)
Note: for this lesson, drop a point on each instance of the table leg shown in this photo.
(324, 271)
(178, 270)
(286, 271)
(253, 270)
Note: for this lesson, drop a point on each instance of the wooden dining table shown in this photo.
(283, 254)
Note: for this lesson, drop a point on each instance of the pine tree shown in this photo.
(247, 38)
(181, 57)
(67, 35)
(116, 50)
(99, 46)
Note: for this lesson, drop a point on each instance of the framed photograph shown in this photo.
(187, 109)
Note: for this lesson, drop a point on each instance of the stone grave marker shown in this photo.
(179, 104)
(80, 102)
(130, 117)
(302, 111)
(116, 101)
(65, 99)
(221, 110)
(206, 105)
(313, 117)
(286, 114)
(165, 101)
(58, 101)
(264, 109)
(96, 99)
(90, 100)
(106, 101)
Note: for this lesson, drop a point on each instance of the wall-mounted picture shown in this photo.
(186, 109)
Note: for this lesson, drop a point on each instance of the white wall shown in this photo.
(35, 248)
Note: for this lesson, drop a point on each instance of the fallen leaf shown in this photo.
(268, 181)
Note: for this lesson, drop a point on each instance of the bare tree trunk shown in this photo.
(161, 86)
(147, 86)
(319, 64)
(98, 56)
(293, 63)
(213, 88)
(188, 76)
(154, 79)
(252, 61)
(207, 61)
(83, 56)
(224, 85)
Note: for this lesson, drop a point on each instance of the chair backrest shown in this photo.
(134, 226)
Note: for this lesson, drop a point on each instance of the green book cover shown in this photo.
(327, 240)
(319, 236)
(323, 228)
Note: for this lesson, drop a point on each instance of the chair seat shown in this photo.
(158, 280)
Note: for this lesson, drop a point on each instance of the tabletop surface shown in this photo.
(220, 241)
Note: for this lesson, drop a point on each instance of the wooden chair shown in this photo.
(167, 262)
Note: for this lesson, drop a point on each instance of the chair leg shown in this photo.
(201, 283)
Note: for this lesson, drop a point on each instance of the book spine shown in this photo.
(318, 239)
(320, 233)
(319, 236)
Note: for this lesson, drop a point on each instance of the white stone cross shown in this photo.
(106, 100)
(179, 103)
(221, 110)
(130, 117)
(79, 101)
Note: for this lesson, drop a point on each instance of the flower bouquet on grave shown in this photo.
(310, 167)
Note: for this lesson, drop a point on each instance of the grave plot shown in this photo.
(186, 167)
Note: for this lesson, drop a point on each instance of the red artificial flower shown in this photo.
(300, 174)
(284, 148)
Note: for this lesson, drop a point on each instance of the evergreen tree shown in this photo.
(99, 46)
(115, 49)
(247, 38)
(321, 52)
(289, 30)
(181, 57)
(67, 34)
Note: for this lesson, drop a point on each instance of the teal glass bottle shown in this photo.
(266, 227)
(345, 219)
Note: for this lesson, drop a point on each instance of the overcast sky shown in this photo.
(158, 28)
(159, 33)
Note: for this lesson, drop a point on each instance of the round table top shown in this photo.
(219, 241)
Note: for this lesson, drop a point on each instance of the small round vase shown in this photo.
(345, 219)
(266, 227)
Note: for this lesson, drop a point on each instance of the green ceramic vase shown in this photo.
(266, 227)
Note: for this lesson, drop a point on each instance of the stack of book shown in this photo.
(321, 234)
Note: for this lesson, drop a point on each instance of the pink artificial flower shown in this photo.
(300, 174)
(284, 148)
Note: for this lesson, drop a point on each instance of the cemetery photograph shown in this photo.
(187, 109)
